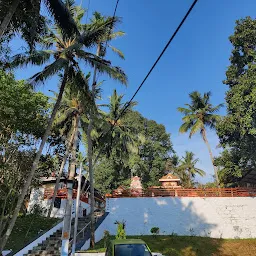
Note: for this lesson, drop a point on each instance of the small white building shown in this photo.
(42, 197)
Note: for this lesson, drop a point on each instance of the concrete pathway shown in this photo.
(103, 254)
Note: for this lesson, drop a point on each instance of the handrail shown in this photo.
(62, 193)
(82, 230)
(183, 192)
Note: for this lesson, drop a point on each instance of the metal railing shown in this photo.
(182, 192)
(81, 231)
(62, 193)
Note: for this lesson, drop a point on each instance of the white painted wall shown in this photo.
(231, 217)
(37, 197)
(99, 233)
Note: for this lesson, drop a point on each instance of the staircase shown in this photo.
(52, 245)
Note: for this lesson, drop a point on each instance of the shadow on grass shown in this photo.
(27, 228)
(194, 246)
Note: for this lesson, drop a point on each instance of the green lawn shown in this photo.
(195, 246)
(27, 228)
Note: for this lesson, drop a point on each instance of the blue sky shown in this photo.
(196, 60)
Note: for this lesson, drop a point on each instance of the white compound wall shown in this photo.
(233, 217)
(37, 197)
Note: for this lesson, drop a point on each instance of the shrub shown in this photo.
(120, 234)
(155, 231)
(106, 238)
(38, 210)
(173, 234)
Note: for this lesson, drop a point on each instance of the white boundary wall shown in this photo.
(37, 197)
(99, 233)
(219, 217)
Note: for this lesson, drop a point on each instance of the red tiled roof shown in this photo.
(169, 177)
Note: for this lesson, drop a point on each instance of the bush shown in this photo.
(38, 210)
(155, 231)
(106, 238)
(120, 234)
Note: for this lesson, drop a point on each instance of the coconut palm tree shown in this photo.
(198, 115)
(122, 137)
(102, 45)
(63, 58)
(72, 105)
(15, 13)
(187, 168)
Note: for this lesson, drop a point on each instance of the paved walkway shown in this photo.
(103, 254)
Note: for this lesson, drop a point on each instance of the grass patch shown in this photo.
(26, 229)
(194, 246)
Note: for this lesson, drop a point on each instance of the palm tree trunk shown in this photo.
(8, 16)
(90, 156)
(57, 183)
(89, 142)
(211, 156)
(68, 211)
(61, 170)
(35, 164)
(190, 178)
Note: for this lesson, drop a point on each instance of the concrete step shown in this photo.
(52, 245)
(44, 252)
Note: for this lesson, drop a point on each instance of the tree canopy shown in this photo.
(237, 129)
(200, 114)
(22, 110)
(151, 149)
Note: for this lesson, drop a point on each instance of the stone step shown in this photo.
(52, 245)
(44, 252)
(43, 248)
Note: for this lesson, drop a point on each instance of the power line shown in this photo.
(151, 69)
(157, 60)
(87, 11)
(111, 26)
(117, 2)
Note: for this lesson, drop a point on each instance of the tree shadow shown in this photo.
(182, 230)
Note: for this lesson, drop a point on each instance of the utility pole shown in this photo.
(77, 208)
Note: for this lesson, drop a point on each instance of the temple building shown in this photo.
(170, 181)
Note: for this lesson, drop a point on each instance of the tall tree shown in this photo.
(231, 166)
(122, 136)
(237, 129)
(23, 115)
(116, 145)
(198, 115)
(72, 105)
(187, 169)
(24, 16)
(68, 50)
(146, 158)
(98, 20)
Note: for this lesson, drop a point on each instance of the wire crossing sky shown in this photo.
(197, 60)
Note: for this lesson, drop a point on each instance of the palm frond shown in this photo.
(97, 32)
(200, 172)
(49, 71)
(103, 66)
(184, 110)
(198, 125)
(216, 108)
(206, 97)
(117, 51)
(190, 118)
(35, 58)
(62, 17)
(185, 127)
(116, 34)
